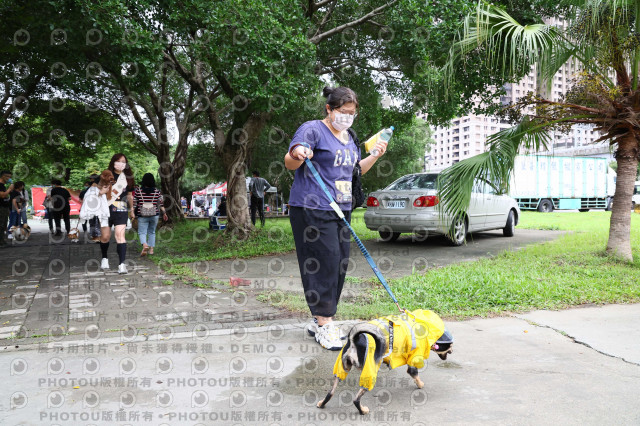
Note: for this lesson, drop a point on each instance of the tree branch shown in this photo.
(375, 12)
(325, 19)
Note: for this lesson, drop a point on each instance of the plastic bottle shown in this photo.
(382, 135)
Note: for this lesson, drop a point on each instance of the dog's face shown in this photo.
(106, 178)
(444, 345)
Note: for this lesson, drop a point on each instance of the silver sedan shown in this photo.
(411, 205)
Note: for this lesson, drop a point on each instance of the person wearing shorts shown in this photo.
(120, 209)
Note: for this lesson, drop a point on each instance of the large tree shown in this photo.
(602, 36)
(250, 60)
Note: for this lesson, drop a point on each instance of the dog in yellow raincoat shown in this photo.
(396, 340)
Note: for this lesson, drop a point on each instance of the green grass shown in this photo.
(191, 241)
(570, 271)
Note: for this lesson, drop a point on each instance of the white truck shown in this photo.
(546, 183)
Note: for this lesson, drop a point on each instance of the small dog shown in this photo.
(106, 181)
(21, 233)
(396, 340)
(74, 235)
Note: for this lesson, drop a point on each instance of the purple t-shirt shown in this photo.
(334, 161)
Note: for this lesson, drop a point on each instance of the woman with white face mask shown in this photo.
(120, 209)
(322, 239)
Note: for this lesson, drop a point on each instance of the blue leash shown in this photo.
(363, 249)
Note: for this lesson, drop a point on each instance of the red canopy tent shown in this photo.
(38, 193)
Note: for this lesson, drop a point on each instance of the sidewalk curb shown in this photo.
(155, 337)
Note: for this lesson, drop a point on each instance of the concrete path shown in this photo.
(82, 347)
(503, 371)
(52, 290)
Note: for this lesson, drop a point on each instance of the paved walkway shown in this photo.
(104, 349)
(52, 290)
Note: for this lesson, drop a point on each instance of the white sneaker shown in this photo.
(105, 263)
(10, 236)
(312, 328)
(122, 268)
(328, 336)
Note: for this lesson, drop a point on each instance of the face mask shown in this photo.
(119, 165)
(342, 121)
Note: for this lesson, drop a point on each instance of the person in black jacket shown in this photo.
(61, 206)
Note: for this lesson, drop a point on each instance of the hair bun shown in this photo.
(327, 91)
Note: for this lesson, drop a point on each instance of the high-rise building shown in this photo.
(467, 135)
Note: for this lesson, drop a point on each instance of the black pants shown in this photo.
(4, 218)
(62, 214)
(322, 244)
(257, 204)
(50, 217)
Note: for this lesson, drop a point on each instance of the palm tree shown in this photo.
(603, 37)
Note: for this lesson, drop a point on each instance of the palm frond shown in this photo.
(509, 45)
(495, 166)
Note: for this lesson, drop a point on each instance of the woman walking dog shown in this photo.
(120, 209)
(322, 239)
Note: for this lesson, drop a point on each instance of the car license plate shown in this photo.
(395, 204)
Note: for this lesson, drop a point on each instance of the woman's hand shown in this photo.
(165, 217)
(132, 215)
(379, 149)
(302, 152)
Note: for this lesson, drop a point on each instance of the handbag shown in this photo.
(147, 209)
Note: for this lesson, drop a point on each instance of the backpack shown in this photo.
(357, 193)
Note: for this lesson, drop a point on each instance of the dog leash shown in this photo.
(363, 249)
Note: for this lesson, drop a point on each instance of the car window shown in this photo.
(484, 187)
(410, 182)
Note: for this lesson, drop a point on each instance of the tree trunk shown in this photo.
(234, 156)
(620, 228)
(171, 193)
(170, 173)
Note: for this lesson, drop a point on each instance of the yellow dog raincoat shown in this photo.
(412, 334)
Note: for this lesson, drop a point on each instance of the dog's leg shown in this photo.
(361, 408)
(326, 399)
(413, 372)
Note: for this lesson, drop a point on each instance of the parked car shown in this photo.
(411, 205)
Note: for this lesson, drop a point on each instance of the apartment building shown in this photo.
(467, 135)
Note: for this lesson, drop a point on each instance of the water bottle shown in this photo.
(382, 135)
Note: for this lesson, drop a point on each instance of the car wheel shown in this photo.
(545, 206)
(458, 232)
(583, 210)
(510, 228)
(389, 236)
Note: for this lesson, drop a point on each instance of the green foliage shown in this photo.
(405, 155)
